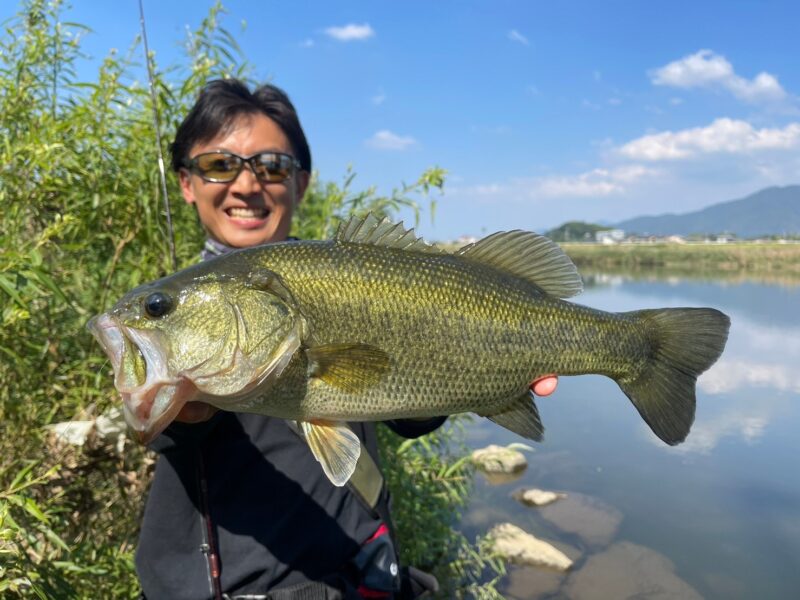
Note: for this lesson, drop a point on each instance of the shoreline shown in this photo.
(741, 261)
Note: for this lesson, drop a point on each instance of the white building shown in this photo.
(609, 236)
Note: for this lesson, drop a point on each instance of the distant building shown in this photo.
(466, 239)
(724, 238)
(609, 236)
(676, 239)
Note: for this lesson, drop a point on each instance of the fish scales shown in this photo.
(375, 325)
(461, 337)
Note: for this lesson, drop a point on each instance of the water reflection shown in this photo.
(717, 516)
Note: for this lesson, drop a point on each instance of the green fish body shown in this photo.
(375, 324)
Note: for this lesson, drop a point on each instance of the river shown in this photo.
(715, 517)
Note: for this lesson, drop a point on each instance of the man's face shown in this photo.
(245, 212)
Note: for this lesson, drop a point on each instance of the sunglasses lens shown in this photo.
(272, 167)
(218, 166)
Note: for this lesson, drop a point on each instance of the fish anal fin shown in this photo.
(335, 446)
(529, 256)
(521, 417)
(350, 367)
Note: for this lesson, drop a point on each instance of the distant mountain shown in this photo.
(772, 211)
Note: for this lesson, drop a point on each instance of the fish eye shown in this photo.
(157, 304)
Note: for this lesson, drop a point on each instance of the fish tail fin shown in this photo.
(684, 342)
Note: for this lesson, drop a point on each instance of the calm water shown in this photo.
(716, 517)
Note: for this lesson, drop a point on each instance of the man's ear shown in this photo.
(185, 179)
(302, 180)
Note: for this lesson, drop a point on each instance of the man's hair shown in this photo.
(222, 101)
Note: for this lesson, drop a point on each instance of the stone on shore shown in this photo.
(521, 547)
(110, 426)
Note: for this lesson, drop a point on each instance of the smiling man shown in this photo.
(246, 178)
(239, 507)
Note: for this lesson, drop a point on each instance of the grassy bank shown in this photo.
(769, 262)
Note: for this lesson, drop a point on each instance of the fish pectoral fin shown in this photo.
(335, 447)
(521, 417)
(350, 367)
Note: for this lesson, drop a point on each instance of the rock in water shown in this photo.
(627, 570)
(499, 459)
(521, 547)
(537, 497)
(591, 519)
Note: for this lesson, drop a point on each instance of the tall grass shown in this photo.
(82, 222)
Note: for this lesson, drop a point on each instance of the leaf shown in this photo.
(48, 282)
(33, 509)
(9, 289)
(22, 474)
(55, 540)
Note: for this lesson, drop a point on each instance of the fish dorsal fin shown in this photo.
(382, 232)
(529, 256)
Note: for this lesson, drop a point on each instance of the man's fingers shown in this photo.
(544, 386)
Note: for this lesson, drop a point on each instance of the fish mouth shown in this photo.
(151, 398)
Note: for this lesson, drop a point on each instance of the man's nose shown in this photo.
(246, 181)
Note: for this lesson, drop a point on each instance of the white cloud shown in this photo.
(491, 189)
(709, 70)
(378, 98)
(597, 182)
(729, 375)
(386, 140)
(307, 43)
(350, 32)
(728, 136)
(590, 184)
(516, 36)
(706, 435)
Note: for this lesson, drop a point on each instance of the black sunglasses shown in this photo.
(224, 167)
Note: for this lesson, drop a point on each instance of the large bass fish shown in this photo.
(376, 324)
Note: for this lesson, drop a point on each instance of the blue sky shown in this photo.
(541, 112)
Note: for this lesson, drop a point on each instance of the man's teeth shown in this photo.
(248, 213)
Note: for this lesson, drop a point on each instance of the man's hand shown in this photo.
(196, 412)
(544, 386)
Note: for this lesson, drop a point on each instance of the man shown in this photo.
(239, 507)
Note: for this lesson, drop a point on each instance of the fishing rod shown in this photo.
(161, 170)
